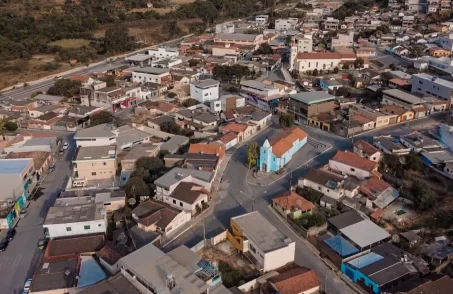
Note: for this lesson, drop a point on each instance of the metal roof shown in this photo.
(365, 233)
(404, 96)
(312, 97)
(150, 70)
(13, 166)
(177, 174)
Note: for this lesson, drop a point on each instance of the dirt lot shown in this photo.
(234, 260)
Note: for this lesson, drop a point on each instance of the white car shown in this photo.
(65, 145)
(27, 286)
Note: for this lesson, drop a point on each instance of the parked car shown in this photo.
(3, 245)
(61, 151)
(23, 212)
(51, 167)
(27, 285)
(10, 234)
(65, 145)
(42, 244)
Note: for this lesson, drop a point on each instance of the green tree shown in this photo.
(172, 29)
(117, 39)
(102, 117)
(265, 49)
(136, 187)
(190, 102)
(65, 87)
(152, 164)
(336, 70)
(109, 79)
(315, 72)
(424, 198)
(253, 151)
(170, 127)
(312, 220)
(10, 126)
(286, 120)
(194, 62)
(207, 11)
(392, 66)
(359, 62)
(414, 162)
(386, 77)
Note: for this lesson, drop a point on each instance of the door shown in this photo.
(264, 167)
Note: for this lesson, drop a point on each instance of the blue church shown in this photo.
(277, 152)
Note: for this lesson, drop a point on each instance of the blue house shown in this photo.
(330, 84)
(277, 152)
(379, 269)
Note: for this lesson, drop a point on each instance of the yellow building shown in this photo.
(95, 163)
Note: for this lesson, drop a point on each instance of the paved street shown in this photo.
(20, 259)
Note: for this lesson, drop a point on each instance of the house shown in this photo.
(110, 254)
(20, 105)
(255, 236)
(366, 150)
(240, 39)
(163, 52)
(198, 161)
(401, 98)
(49, 99)
(74, 217)
(306, 104)
(319, 60)
(180, 270)
(166, 184)
(379, 193)
(417, 142)
(128, 157)
(156, 122)
(397, 83)
(324, 120)
(107, 134)
(212, 149)
(174, 143)
(151, 74)
(110, 98)
(159, 217)
(17, 176)
(112, 200)
(328, 183)
(276, 152)
(187, 196)
(259, 94)
(330, 84)
(292, 205)
(50, 278)
(366, 52)
(345, 128)
(27, 142)
(231, 102)
(439, 52)
(228, 140)
(365, 122)
(228, 49)
(379, 119)
(85, 80)
(43, 109)
(292, 280)
(403, 114)
(342, 40)
(390, 145)
(359, 231)
(197, 119)
(205, 90)
(354, 165)
(380, 269)
(242, 131)
(41, 160)
(284, 24)
(94, 163)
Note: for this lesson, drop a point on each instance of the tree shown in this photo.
(117, 39)
(253, 151)
(345, 66)
(392, 66)
(414, 162)
(309, 194)
(312, 220)
(136, 187)
(288, 40)
(170, 127)
(172, 29)
(386, 77)
(286, 120)
(336, 70)
(207, 11)
(102, 117)
(190, 102)
(10, 126)
(198, 209)
(424, 197)
(315, 72)
(65, 87)
(359, 62)
(152, 164)
(265, 49)
(194, 62)
(171, 95)
(110, 80)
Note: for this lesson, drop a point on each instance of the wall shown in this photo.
(138, 77)
(332, 193)
(112, 269)
(361, 174)
(204, 94)
(280, 257)
(59, 230)
(88, 142)
(95, 169)
(356, 275)
(186, 206)
(429, 87)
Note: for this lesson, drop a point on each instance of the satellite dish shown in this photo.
(396, 238)
(131, 201)
(402, 160)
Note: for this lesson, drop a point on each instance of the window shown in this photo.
(180, 203)
(93, 173)
(352, 169)
(174, 201)
(99, 225)
(68, 229)
(252, 248)
(86, 227)
(105, 163)
(319, 188)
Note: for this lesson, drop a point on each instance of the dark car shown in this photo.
(3, 245)
(10, 235)
(42, 244)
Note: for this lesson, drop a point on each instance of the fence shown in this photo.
(313, 231)
(209, 242)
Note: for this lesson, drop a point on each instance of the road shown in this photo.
(231, 202)
(21, 258)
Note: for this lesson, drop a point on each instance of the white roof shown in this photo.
(365, 233)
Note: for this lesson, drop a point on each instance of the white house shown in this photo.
(284, 24)
(351, 164)
(269, 247)
(163, 52)
(150, 74)
(432, 85)
(192, 195)
(205, 90)
(325, 182)
(319, 60)
(74, 217)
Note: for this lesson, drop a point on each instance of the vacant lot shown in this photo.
(181, 1)
(71, 43)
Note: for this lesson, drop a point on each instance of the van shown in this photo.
(79, 183)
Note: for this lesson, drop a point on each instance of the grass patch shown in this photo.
(400, 212)
(71, 43)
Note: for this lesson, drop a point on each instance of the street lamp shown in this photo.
(252, 197)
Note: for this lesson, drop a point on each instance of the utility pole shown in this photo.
(204, 234)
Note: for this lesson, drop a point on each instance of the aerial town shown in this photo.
(305, 148)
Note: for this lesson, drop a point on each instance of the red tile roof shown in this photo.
(395, 109)
(284, 142)
(366, 147)
(361, 119)
(354, 160)
(289, 200)
(325, 55)
(80, 78)
(228, 138)
(295, 281)
(207, 149)
(235, 127)
(373, 187)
